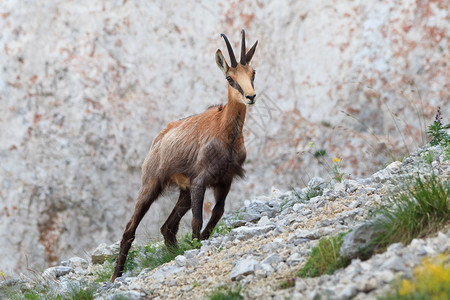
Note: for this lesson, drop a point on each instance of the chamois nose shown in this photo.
(251, 98)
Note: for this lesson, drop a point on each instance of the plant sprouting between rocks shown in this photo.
(325, 258)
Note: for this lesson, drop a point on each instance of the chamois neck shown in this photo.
(234, 110)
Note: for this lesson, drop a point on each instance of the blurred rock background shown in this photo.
(86, 85)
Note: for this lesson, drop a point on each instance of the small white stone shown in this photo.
(191, 253)
(194, 261)
(385, 276)
(265, 267)
(75, 262)
(180, 261)
(275, 193)
(263, 221)
(243, 268)
(261, 273)
(272, 259)
(298, 206)
(306, 212)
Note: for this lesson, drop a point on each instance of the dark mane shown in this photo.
(219, 106)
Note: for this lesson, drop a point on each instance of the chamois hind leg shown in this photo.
(198, 189)
(220, 194)
(170, 228)
(147, 194)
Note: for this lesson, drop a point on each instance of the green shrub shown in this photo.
(437, 131)
(325, 258)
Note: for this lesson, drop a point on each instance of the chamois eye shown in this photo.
(253, 75)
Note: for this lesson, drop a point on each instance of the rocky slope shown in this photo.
(271, 241)
(86, 85)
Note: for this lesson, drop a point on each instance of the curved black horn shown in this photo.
(230, 52)
(243, 60)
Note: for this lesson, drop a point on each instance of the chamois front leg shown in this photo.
(197, 196)
(170, 228)
(220, 194)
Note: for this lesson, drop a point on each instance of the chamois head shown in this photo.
(240, 75)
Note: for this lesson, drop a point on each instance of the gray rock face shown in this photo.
(358, 239)
(162, 273)
(246, 232)
(272, 260)
(256, 209)
(58, 271)
(103, 252)
(191, 253)
(77, 262)
(131, 295)
(394, 263)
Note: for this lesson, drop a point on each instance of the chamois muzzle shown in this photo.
(251, 98)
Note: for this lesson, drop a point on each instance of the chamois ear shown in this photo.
(221, 63)
(249, 55)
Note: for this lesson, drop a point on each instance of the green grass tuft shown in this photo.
(325, 258)
(429, 157)
(320, 153)
(81, 291)
(105, 273)
(313, 191)
(287, 283)
(156, 255)
(226, 294)
(75, 291)
(224, 227)
(447, 151)
(422, 207)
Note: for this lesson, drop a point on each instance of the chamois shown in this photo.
(195, 153)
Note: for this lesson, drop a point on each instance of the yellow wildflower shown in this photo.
(406, 288)
(336, 160)
(432, 278)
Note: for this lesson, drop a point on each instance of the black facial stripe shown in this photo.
(235, 85)
(253, 78)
